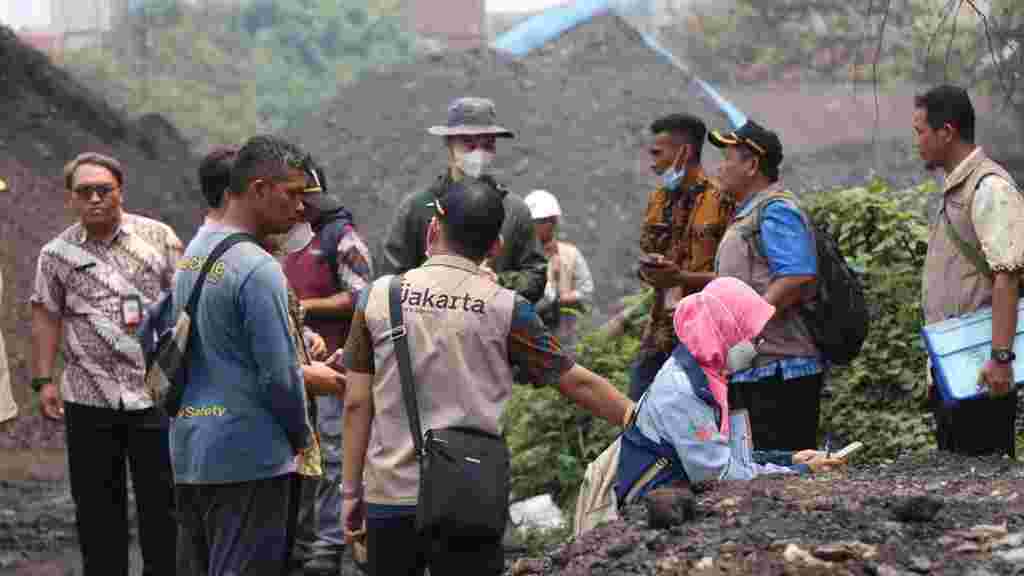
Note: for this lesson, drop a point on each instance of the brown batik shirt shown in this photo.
(309, 462)
(685, 226)
(85, 282)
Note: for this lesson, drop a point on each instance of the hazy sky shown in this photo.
(31, 13)
(521, 5)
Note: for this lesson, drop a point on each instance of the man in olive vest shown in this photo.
(471, 138)
(975, 256)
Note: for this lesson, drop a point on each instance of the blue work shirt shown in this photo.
(243, 414)
(789, 247)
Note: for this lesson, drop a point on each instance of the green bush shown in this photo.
(880, 397)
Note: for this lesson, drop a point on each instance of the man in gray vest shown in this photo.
(465, 334)
(975, 256)
(770, 245)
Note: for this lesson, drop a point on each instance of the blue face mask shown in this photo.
(671, 177)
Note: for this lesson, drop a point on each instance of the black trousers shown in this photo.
(100, 442)
(976, 427)
(241, 528)
(395, 549)
(783, 413)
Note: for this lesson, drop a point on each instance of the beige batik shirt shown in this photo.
(85, 282)
(8, 409)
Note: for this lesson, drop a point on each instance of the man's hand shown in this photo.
(353, 519)
(51, 402)
(322, 379)
(998, 378)
(317, 345)
(817, 461)
(662, 274)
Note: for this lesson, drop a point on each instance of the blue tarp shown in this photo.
(542, 28)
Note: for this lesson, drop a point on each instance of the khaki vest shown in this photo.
(458, 325)
(8, 409)
(565, 278)
(951, 286)
(786, 335)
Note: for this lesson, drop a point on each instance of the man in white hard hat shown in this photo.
(569, 287)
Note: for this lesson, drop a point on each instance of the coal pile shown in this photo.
(581, 107)
(48, 118)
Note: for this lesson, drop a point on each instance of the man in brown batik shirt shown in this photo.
(685, 219)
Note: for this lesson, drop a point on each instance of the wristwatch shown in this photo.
(1003, 355)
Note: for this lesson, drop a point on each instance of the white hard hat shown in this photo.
(542, 204)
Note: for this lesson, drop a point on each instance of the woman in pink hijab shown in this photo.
(683, 429)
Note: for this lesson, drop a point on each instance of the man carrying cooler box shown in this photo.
(975, 255)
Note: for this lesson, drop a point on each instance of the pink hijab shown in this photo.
(714, 320)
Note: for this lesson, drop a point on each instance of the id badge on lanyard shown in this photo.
(131, 310)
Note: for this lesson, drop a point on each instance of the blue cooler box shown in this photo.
(959, 348)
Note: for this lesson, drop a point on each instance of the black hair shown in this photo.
(266, 157)
(215, 175)
(474, 213)
(947, 104)
(96, 159)
(686, 125)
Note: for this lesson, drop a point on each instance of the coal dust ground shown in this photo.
(934, 513)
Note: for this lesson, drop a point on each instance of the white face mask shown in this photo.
(741, 356)
(297, 238)
(476, 163)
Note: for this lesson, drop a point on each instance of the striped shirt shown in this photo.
(85, 282)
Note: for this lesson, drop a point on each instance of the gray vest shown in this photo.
(785, 335)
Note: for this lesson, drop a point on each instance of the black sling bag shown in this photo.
(464, 473)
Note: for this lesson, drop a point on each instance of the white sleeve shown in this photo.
(998, 216)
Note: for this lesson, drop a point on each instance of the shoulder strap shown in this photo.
(218, 251)
(399, 339)
(972, 253)
(753, 231)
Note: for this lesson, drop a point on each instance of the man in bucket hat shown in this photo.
(470, 135)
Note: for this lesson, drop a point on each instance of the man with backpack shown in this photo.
(242, 422)
(974, 260)
(771, 246)
(327, 263)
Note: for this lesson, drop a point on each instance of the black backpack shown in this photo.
(838, 317)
